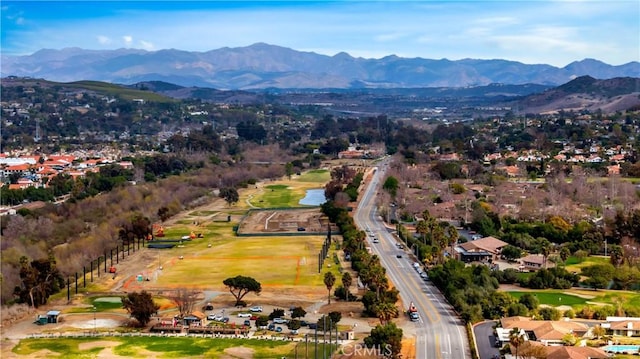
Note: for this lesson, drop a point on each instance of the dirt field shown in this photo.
(284, 221)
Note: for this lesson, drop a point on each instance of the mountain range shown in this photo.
(263, 66)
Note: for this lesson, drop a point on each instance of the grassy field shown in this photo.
(553, 298)
(573, 264)
(160, 347)
(315, 176)
(284, 261)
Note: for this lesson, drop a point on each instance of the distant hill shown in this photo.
(586, 93)
(261, 66)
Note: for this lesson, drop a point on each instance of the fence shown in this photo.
(99, 265)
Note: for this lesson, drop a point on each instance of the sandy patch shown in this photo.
(238, 353)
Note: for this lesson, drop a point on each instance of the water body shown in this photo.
(313, 197)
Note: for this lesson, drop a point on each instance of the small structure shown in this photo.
(480, 250)
(195, 319)
(52, 316)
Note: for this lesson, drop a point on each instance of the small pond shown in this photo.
(313, 197)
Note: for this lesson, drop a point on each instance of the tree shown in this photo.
(516, 339)
(511, 253)
(298, 312)
(549, 313)
(294, 324)
(140, 306)
(385, 311)
(386, 337)
(329, 281)
(276, 313)
(239, 286)
(262, 321)
(185, 300)
(229, 194)
(39, 279)
(530, 301)
(346, 283)
(598, 331)
(391, 185)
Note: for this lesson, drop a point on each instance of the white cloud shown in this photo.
(146, 45)
(128, 40)
(20, 21)
(104, 40)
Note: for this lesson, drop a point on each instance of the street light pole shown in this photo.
(94, 319)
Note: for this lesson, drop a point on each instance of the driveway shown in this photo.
(485, 339)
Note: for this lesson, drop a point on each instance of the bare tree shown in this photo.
(185, 300)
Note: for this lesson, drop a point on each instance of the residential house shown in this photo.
(528, 348)
(623, 326)
(532, 263)
(480, 250)
(547, 332)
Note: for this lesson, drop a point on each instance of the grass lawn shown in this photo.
(572, 264)
(317, 176)
(273, 261)
(553, 298)
(161, 347)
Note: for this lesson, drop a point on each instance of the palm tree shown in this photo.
(516, 339)
(386, 311)
(329, 281)
(452, 232)
(422, 229)
(346, 283)
(546, 249)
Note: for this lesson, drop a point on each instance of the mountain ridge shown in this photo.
(262, 65)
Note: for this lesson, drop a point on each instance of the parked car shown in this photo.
(255, 309)
(399, 255)
(225, 320)
(244, 315)
(271, 327)
(247, 323)
(280, 321)
(313, 325)
(278, 329)
(215, 317)
(304, 323)
(253, 317)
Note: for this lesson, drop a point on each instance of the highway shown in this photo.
(439, 333)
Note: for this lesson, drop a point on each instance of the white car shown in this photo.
(255, 309)
(280, 320)
(244, 315)
(215, 317)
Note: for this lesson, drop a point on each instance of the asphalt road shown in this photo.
(485, 340)
(440, 334)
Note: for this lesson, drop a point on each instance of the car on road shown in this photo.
(255, 309)
(424, 276)
(414, 316)
(280, 320)
(244, 315)
(399, 255)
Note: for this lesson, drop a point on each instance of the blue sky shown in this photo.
(533, 32)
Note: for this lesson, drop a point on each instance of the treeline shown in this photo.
(379, 299)
(76, 232)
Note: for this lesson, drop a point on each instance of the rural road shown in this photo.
(439, 333)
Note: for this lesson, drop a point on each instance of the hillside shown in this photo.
(586, 93)
(262, 66)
